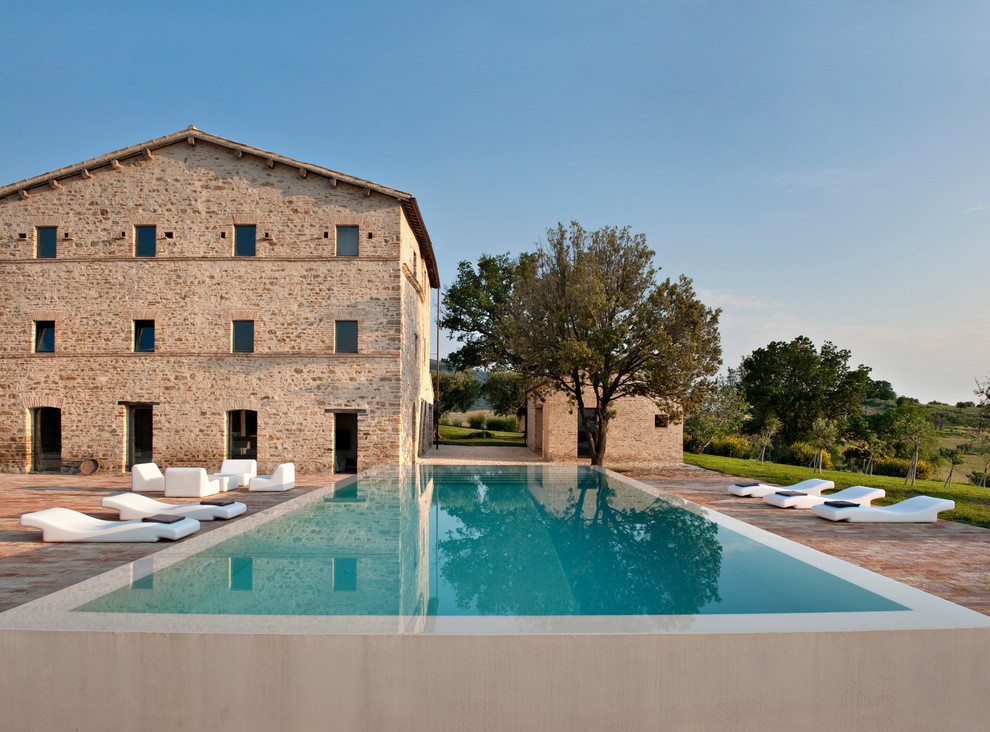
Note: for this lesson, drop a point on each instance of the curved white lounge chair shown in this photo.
(792, 499)
(147, 478)
(135, 506)
(282, 479)
(64, 524)
(240, 472)
(918, 509)
(191, 483)
(811, 486)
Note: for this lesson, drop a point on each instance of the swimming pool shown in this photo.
(437, 549)
(491, 541)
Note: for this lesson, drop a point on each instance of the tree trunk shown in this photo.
(948, 481)
(912, 469)
(598, 445)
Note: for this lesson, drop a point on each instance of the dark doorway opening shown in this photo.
(345, 436)
(139, 435)
(242, 434)
(586, 430)
(46, 432)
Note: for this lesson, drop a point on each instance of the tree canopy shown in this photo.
(474, 305)
(798, 384)
(457, 391)
(585, 315)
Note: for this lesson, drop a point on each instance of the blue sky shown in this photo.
(818, 168)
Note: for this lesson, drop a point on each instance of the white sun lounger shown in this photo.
(282, 479)
(64, 524)
(919, 509)
(811, 486)
(135, 506)
(856, 494)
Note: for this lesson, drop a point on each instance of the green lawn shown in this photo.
(972, 502)
(459, 436)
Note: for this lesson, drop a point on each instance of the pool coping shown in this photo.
(55, 611)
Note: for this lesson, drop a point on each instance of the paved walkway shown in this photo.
(947, 559)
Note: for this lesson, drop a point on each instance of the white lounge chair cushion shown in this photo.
(856, 494)
(811, 486)
(135, 506)
(189, 482)
(64, 524)
(282, 479)
(147, 478)
(918, 509)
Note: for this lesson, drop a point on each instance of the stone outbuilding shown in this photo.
(640, 433)
(191, 298)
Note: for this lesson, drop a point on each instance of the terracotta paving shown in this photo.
(947, 559)
(30, 569)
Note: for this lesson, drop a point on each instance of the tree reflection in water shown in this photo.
(541, 548)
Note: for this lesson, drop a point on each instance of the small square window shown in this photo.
(144, 241)
(242, 336)
(345, 336)
(144, 336)
(244, 240)
(44, 336)
(659, 420)
(47, 242)
(347, 241)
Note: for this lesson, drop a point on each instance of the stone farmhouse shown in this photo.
(191, 298)
(640, 433)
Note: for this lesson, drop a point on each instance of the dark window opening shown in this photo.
(345, 336)
(44, 336)
(242, 336)
(242, 434)
(144, 336)
(139, 435)
(244, 240)
(144, 241)
(47, 242)
(46, 434)
(347, 241)
(659, 420)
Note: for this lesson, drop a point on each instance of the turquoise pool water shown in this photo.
(490, 541)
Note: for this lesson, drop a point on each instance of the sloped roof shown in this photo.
(192, 134)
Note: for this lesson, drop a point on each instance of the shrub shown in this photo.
(734, 447)
(804, 453)
(482, 434)
(898, 468)
(502, 424)
(476, 421)
(690, 444)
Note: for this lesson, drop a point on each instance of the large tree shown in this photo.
(798, 384)
(588, 318)
(474, 305)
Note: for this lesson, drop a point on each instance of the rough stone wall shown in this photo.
(417, 388)
(294, 289)
(633, 436)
